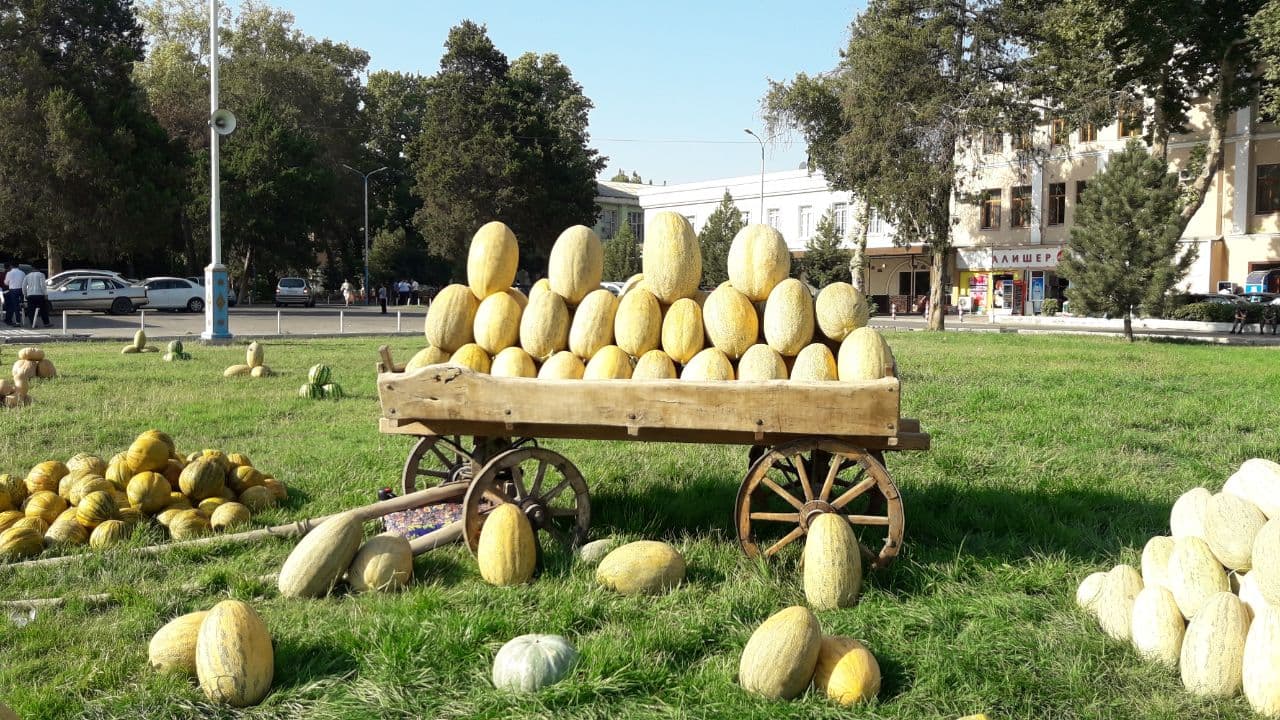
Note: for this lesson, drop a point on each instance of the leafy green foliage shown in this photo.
(825, 261)
(395, 254)
(621, 255)
(717, 235)
(1264, 29)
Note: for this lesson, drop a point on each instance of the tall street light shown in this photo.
(221, 122)
(757, 137)
(368, 295)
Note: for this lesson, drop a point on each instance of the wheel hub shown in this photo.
(813, 509)
(536, 512)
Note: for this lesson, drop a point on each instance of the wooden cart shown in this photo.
(815, 447)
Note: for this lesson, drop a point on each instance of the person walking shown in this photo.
(1270, 316)
(348, 293)
(13, 278)
(382, 298)
(36, 292)
(413, 292)
(403, 288)
(1240, 320)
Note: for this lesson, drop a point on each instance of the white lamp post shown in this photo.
(368, 295)
(221, 122)
(757, 137)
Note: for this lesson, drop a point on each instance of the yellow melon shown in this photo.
(491, 260)
(45, 505)
(147, 453)
(148, 491)
(576, 265)
(471, 356)
(426, 356)
(319, 559)
(832, 563)
(1194, 575)
(840, 309)
(644, 567)
(731, 321)
(864, 355)
(761, 362)
(108, 533)
(637, 326)
(779, 659)
(235, 662)
(450, 321)
(1258, 481)
(497, 323)
(228, 515)
(610, 363)
(846, 671)
(539, 287)
(1260, 665)
(1157, 626)
(564, 365)
(513, 362)
(710, 364)
(20, 542)
(631, 283)
(592, 326)
(1265, 560)
(1187, 516)
(654, 365)
(507, 549)
(671, 259)
(815, 363)
(788, 317)
(682, 330)
(544, 326)
(384, 563)
(173, 647)
(1230, 524)
(758, 260)
(1155, 561)
(1115, 601)
(1212, 652)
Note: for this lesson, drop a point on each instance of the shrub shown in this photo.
(1216, 312)
(1050, 307)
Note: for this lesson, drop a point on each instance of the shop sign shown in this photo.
(1016, 258)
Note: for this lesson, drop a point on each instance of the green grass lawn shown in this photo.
(1052, 457)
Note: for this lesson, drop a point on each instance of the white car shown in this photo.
(174, 293)
(62, 277)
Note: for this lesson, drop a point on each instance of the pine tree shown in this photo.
(621, 255)
(620, 176)
(825, 261)
(1123, 253)
(716, 237)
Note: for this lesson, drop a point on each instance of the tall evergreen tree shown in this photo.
(1123, 253)
(621, 255)
(717, 235)
(825, 260)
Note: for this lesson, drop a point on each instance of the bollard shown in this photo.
(64, 322)
(893, 311)
(278, 323)
(397, 321)
(342, 319)
(142, 319)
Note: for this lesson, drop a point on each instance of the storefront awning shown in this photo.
(1024, 257)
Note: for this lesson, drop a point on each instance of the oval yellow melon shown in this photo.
(576, 265)
(564, 365)
(592, 326)
(188, 524)
(1213, 647)
(1115, 601)
(173, 647)
(1230, 524)
(20, 542)
(229, 515)
(320, 558)
(148, 491)
(539, 287)
(108, 533)
(1257, 481)
(832, 563)
(507, 551)
(9, 518)
(654, 365)
(202, 478)
(86, 464)
(682, 330)
(761, 362)
(45, 505)
(521, 299)
(758, 261)
(544, 326)
(1157, 625)
(471, 356)
(645, 567)
(428, 355)
(1260, 664)
(94, 483)
(147, 453)
(815, 363)
(491, 260)
(846, 671)
(384, 563)
(95, 509)
(610, 363)
(710, 364)
(730, 320)
(450, 321)
(631, 283)
(671, 259)
(235, 662)
(1187, 516)
(1090, 588)
(1265, 560)
(779, 659)
(788, 317)
(1155, 561)
(637, 326)
(840, 309)
(1194, 575)
(497, 323)
(864, 355)
(513, 362)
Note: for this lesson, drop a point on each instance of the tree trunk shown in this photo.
(937, 278)
(1213, 151)
(55, 258)
(858, 262)
(1128, 325)
(1160, 129)
(244, 277)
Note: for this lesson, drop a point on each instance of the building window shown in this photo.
(635, 221)
(1020, 206)
(771, 216)
(1057, 203)
(1131, 123)
(875, 225)
(840, 213)
(1080, 188)
(992, 143)
(991, 209)
(1088, 133)
(905, 285)
(1059, 133)
(1268, 197)
(1022, 140)
(806, 221)
(608, 224)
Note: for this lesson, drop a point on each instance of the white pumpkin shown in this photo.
(531, 662)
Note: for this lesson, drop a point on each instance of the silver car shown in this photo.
(295, 291)
(97, 293)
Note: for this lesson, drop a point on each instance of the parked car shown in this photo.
(172, 293)
(1262, 297)
(66, 275)
(613, 287)
(295, 291)
(97, 293)
(231, 293)
(1222, 298)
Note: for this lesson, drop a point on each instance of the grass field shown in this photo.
(1052, 457)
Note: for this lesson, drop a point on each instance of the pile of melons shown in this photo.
(31, 364)
(789, 652)
(759, 325)
(253, 366)
(87, 500)
(139, 345)
(1207, 599)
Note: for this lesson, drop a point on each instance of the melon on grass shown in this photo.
(709, 365)
(108, 533)
(1157, 625)
(761, 362)
(507, 552)
(564, 365)
(229, 515)
(1230, 524)
(637, 325)
(654, 365)
(147, 453)
(383, 563)
(1260, 665)
(815, 363)
(730, 320)
(576, 264)
(1213, 647)
(513, 362)
(1265, 561)
(450, 320)
(1155, 561)
(544, 326)
(779, 659)
(1257, 481)
(592, 326)
(492, 260)
(758, 261)
(173, 647)
(260, 371)
(644, 567)
(671, 260)
(253, 355)
(497, 323)
(531, 662)
(320, 558)
(839, 309)
(235, 662)
(1194, 575)
(682, 330)
(788, 317)
(610, 363)
(1115, 601)
(1187, 516)
(846, 671)
(832, 563)
(148, 491)
(202, 478)
(20, 542)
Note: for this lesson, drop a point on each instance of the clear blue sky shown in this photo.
(656, 69)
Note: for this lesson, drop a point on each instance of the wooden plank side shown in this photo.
(446, 394)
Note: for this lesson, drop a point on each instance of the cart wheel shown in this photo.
(793, 483)
(442, 459)
(543, 483)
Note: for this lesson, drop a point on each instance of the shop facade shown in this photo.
(1007, 280)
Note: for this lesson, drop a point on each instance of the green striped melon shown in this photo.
(497, 323)
(1194, 575)
(513, 362)
(815, 363)
(1090, 588)
(450, 321)
(758, 261)
(1260, 664)
(637, 326)
(108, 533)
(45, 505)
(1230, 524)
(1213, 647)
(654, 365)
(17, 543)
(682, 330)
(564, 365)
(426, 356)
(708, 365)
(576, 265)
(840, 308)
(1257, 481)
(1157, 626)
(1115, 601)
(731, 321)
(780, 657)
(671, 259)
(832, 563)
(544, 327)
(788, 317)
(202, 478)
(318, 374)
(1155, 561)
(761, 362)
(610, 363)
(1187, 517)
(864, 355)
(491, 260)
(592, 326)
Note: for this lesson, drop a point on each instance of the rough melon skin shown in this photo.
(730, 320)
(815, 363)
(1260, 666)
(426, 356)
(173, 647)
(507, 551)
(758, 260)
(1265, 560)
(384, 563)
(846, 671)
(1155, 561)
(497, 323)
(671, 260)
(321, 557)
(654, 365)
(564, 365)
(1194, 575)
(682, 330)
(779, 659)
(592, 326)
(788, 317)
(864, 355)
(513, 362)
(761, 362)
(611, 363)
(450, 321)
(645, 567)
(1230, 525)
(1157, 626)
(1115, 601)
(576, 264)
(491, 260)
(472, 356)
(539, 287)
(637, 326)
(235, 662)
(1257, 481)
(1186, 519)
(1087, 593)
(832, 563)
(544, 326)
(1213, 648)
(708, 365)
(839, 309)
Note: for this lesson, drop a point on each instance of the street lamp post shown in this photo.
(368, 295)
(215, 275)
(757, 137)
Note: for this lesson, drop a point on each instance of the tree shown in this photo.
(825, 261)
(393, 255)
(716, 237)
(1264, 29)
(621, 255)
(620, 176)
(1123, 251)
(635, 178)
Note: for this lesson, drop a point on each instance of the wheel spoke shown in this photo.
(517, 482)
(785, 541)
(537, 479)
(546, 499)
(442, 474)
(791, 500)
(564, 512)
(803, 472)
(435, 449)
(867, 520)
(854, 492)
(497, 494)
(776, 517)
(830, 481)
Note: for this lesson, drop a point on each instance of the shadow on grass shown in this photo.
(437, 567)
(299, 664)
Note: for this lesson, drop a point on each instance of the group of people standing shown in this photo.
(27, 288)
(402, 292)
(1270, 316)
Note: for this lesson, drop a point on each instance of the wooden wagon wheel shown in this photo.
(793, 483)
(441, 459)
(546, 486)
